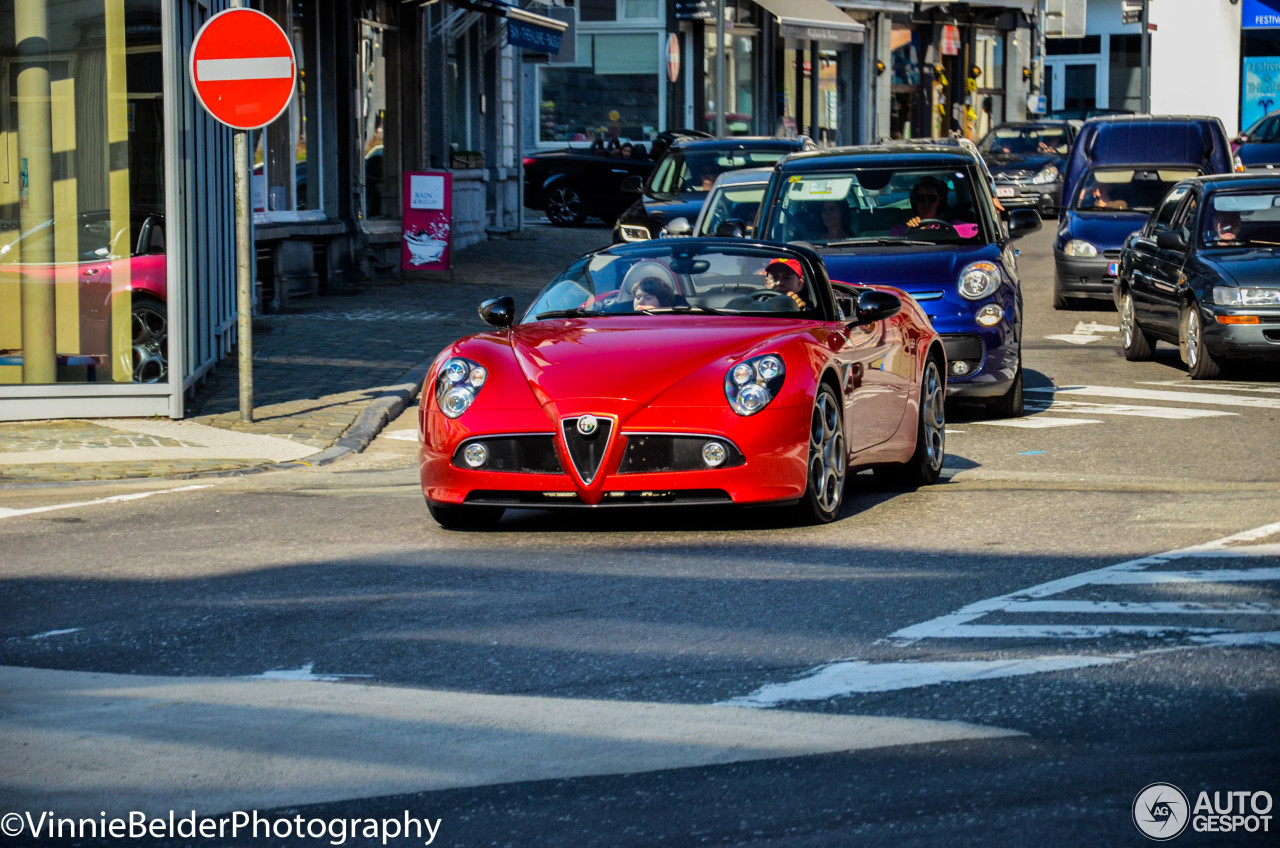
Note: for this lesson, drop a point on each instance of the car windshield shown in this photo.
(1027, 141)
(696, 170)
(675, 276)
(1239, 219)
(908, 204)
(1127, 190)
(739, 202)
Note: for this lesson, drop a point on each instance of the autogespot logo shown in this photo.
(1160, 811)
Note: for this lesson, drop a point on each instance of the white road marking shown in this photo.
(1084, 333)
(844, 678)
(1037, 422)
(1212, 385)
(856, 676)
(229, 70)
(1152, 394)
(403, 435)
(48, 633)
(12, 513)
(1074, 339)
(1080, 406)
(304, 673)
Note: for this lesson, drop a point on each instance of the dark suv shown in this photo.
(684, 175)
(920, 218)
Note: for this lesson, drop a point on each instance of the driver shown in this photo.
(929, 207)
(783, 275)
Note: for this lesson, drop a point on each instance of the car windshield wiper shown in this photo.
(701, 310)
(878, 240)
(576, 312)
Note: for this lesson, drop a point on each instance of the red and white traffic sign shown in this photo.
(243, 68)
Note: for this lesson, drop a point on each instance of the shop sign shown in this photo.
(817, 32)
(533, 37)
(1260, 14)
(242, 68)
(950, 40)
(426, 221)
(695, 10)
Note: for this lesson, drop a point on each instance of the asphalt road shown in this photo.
(1086, 605)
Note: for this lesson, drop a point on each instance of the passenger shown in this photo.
(1101, 196)
(652, 293)
(783, 275)
(627, 151)
(706, 177)
(837, 220)
(929, 210)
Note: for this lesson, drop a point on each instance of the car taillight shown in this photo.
(527, 162)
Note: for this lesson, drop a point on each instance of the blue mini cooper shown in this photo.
(920, 218)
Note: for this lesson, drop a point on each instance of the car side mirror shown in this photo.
(876, 305)
(1171, 240)
(633, 184)
(1023, 221)
(732, 228)
(1242, 138)
(678, 227)
(498, 311)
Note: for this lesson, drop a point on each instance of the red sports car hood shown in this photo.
(633, 358)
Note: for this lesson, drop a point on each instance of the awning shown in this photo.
(875, 5)
(1027, 6)
(814, 20)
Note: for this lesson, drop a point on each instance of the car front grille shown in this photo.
(655, 453)
(535, 454)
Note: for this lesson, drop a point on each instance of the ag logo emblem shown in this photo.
(1160, 811)
(587, 425)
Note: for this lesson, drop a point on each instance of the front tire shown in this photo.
(1009, 404)
(565, 207)
(827, 461)
(1135, 341)
(1059, 299)
(452, 517)
(925, 465)
(1200, 363)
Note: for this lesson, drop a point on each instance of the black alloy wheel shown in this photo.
(1137, 343)
(565, 207)
(150, 341)
(827, 461)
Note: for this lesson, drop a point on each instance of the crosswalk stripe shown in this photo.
(1038, 422)
(1141, 608)
(1152, 394)
(1085, 407)
(1251, 575)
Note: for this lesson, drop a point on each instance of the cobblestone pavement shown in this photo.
(326, 375)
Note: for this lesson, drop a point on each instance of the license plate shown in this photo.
(1004, 191)
(1113, 269)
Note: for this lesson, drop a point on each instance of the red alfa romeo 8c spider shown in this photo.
(683, 371)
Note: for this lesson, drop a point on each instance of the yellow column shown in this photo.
(118, 187)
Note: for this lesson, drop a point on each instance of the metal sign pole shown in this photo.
(244, 279)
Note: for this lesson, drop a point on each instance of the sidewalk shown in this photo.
(327, 377)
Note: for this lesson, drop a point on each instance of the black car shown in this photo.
(573, 184)
(1027, 161)
(1204, 274)
(683, 177)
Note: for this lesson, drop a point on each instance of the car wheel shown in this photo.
(1059, 299)
(565, 207)
(464, 517)
(1137, 344)
(1200, 364)
(150, 341)
(826, 474)
(1009, 404)
(925, 465)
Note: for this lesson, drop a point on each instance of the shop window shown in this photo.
(988, 100)
(739, 116)
(82, 263)
(379, 197)
(615, 93)
(286, 161)
(1124, 81)
(1089, 45)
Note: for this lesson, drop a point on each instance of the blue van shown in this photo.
(1118, 171)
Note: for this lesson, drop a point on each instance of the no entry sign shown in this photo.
(242, 68)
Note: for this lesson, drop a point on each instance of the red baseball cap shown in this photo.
(793, 264)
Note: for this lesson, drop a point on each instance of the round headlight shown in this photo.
(456, 401)
(990, 315)
(713, 454)
(979, 280)
(743, 374)
(455, 370)
(753, 398)
(475, 454)
(1047, 174)
(1080, 247)
(768, 367)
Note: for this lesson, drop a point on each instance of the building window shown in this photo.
(615, 94)
(380, 195)
(286, 161)
(988, 105)
(740, 84)
(82, 245)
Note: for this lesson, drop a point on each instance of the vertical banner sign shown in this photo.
(426, 221)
